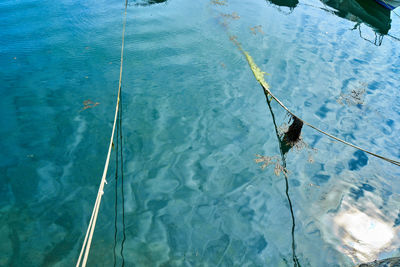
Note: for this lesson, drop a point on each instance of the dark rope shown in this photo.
(122, 184)
(122, 173)
(116, 199)
(282, 146)
(119, 149)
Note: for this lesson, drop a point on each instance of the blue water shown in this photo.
(194, 118)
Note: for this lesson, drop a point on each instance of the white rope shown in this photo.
(92, 223)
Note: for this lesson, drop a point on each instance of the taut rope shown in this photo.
(92, 223)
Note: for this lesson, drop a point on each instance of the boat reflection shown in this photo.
(362, 11)
(285, 3)
(147, 2)
(367, 12)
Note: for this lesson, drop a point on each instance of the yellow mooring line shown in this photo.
(92, 223)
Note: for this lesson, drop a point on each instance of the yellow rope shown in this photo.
(259, 75)
(92, 223)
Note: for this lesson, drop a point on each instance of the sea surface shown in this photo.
(196, 131)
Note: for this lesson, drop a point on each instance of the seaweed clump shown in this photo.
(293, 133)
(292, 136)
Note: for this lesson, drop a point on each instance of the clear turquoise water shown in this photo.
(194, 118)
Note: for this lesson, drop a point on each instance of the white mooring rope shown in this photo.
(92, 223)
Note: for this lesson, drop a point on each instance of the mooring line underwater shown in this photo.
(259, 75)
(119, 164)
(281, 150)
(92, 223)
(122, 185)
(116, 198)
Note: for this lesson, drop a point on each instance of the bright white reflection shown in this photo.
(363, 236)
(361, 229)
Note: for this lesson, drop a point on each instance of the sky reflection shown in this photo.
(364, 235)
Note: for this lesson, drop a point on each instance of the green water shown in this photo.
(194, 118)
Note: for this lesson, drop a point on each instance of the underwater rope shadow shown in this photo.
(116, 199)
(122, 185)
(119, 164)
(285, 144)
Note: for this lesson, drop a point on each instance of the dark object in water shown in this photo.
(292, 136)
(390, 262)
(149, 2)
(285, 3)
(294, 131)
(361, 11)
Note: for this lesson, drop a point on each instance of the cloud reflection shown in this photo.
(363, 236)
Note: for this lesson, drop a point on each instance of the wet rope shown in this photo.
(93, 219)
(259, 75)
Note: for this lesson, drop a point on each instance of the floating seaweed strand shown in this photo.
(259, 75)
